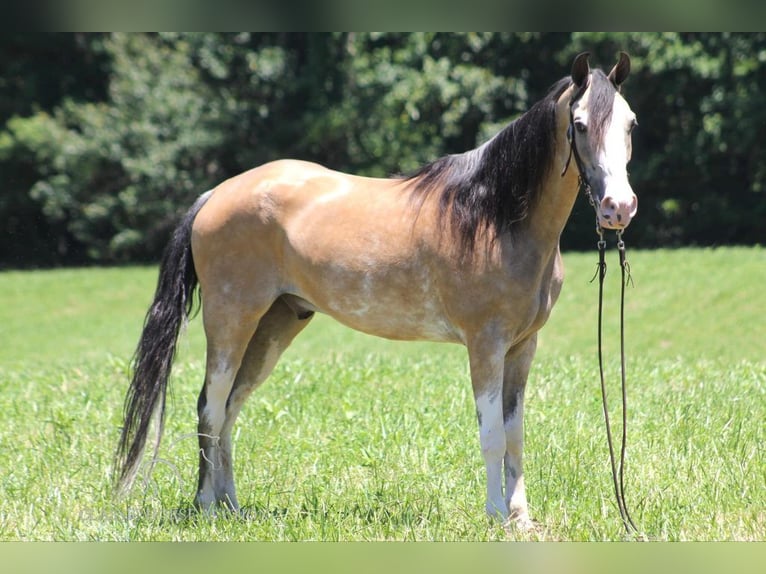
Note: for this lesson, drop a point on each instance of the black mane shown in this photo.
(491, 188)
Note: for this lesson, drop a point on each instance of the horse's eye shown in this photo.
(580, 127)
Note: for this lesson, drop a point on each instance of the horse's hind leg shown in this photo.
(229, 326)
(276, 330)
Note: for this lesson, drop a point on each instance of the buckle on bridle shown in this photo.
(620, 242)
(601, 244)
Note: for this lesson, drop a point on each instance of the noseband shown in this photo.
(618, 479)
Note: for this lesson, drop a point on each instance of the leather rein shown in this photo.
(618, 472)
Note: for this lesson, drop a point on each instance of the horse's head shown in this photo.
(600, 125)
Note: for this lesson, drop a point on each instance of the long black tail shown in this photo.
(152, 362)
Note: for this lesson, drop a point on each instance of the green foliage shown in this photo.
(99, 157)
(119, 173)
(415, 96)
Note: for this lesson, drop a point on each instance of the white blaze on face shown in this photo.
(619, 203)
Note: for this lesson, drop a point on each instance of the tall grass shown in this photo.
(356, 438)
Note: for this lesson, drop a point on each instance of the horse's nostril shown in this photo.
(608, 205)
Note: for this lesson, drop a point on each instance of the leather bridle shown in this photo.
(584, 184)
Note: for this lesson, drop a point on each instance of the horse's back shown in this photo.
(298, 198)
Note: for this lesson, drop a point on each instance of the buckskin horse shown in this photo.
(465, 250)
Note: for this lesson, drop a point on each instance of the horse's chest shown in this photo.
(547, 294)
(544, 294)
(517, 303)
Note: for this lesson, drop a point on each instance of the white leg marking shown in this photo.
(214, 416)
(515, 494)
(223, 417)
(217, 393)
(492, 438)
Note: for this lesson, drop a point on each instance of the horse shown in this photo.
(464, 250)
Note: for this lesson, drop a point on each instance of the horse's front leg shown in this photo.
(487, 365)
(517, 364)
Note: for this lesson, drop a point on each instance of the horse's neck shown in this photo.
(554, 204)
(553, 207)
(549, 212)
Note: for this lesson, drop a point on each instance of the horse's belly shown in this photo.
(392, 305)
(391, 324)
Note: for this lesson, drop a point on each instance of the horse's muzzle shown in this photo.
(616, 213)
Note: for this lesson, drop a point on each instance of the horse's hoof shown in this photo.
(522, 523)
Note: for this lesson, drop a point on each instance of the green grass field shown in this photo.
(356, 438)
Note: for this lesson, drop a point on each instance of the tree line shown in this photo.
(106, 139)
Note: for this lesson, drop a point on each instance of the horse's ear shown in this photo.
(580, 69)
(620, 71)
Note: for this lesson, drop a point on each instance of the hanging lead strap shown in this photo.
(625, 279)
(601, 272)
(617, 475)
